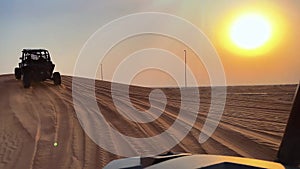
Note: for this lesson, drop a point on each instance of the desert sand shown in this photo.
(32, 120)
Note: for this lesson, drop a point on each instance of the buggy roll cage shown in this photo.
(35, 54)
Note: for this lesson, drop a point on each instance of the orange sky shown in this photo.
(280, 63)
(63, 28)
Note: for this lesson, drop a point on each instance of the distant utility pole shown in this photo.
(101, 72)
(185, 83)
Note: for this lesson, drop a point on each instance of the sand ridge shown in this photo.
(33, 119)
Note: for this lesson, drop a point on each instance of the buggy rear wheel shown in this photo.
(56, 78)
(18, 73)
(26, 80)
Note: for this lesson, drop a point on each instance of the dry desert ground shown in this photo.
(31, 120)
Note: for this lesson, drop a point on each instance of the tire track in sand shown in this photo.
(58, 122)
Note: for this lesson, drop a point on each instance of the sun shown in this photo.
(250, 31)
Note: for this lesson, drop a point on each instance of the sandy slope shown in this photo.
(31, 120)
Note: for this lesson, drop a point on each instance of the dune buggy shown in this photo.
(36, 65)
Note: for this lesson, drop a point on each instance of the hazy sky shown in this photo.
(63, 27)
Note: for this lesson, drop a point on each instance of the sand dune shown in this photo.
(31, 120)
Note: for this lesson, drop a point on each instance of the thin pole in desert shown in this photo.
(185, 83)
(101, 72)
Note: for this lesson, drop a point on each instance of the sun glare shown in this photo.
(250, 31)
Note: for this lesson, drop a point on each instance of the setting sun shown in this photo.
(250, 31)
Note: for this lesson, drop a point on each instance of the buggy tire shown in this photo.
(56, 78)
(26, 80)
(18, 73)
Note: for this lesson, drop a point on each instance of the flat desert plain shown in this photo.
(32, 120)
